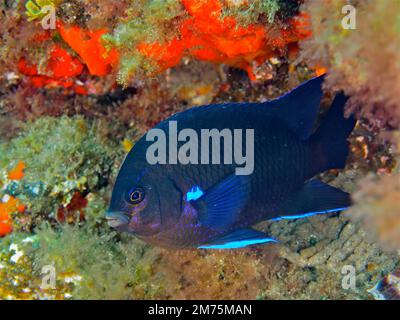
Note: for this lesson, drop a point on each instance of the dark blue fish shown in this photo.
(209, 205)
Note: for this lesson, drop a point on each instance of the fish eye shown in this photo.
(135, 195)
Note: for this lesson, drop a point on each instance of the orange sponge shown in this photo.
(207, 36)
(87, 44)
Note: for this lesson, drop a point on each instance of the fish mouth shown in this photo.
(116, 219)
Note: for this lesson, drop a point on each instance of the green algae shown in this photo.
(250, 13)
(87, 264)
(103, 268)
(34, 9)
(62, 155)
(96, 206)
(145, 21)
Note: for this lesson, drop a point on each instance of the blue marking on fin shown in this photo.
(220, 206)
(238, 239)
(305, 215)
(238, 244)
(194, 193)
(315, 197)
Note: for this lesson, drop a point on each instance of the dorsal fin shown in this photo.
(298, 108)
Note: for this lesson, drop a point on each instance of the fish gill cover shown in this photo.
(82, 82)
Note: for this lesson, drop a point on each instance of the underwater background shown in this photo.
(81, 81)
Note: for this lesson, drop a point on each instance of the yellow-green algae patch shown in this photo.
(247, 12)
(84, 263)
(145, 21)
(62, 155)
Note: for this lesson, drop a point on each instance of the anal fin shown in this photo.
(315, 198)
(239, 239)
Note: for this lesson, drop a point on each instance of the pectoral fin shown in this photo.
(239, 239)
(220, 206)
